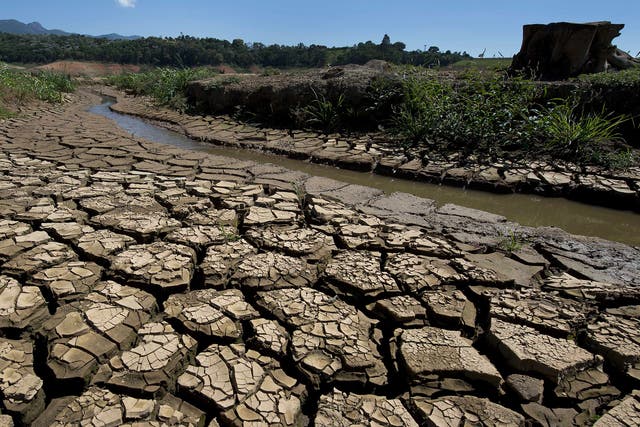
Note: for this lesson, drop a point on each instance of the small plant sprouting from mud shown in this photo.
(322, 113)
(301, 193)
(512, 241)
(229, 230)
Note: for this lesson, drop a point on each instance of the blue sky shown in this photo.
(468, 25)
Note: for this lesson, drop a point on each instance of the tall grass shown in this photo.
(568, 130)
(166, 85)
(490, 115)
(18, 87)
(474, 112)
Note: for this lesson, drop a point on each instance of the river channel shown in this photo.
(531, 210)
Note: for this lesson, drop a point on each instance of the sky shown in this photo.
(457, 25)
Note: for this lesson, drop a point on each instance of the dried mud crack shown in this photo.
(146, 285)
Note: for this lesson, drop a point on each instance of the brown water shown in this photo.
(574, 217)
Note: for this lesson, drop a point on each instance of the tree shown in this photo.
(386, 40)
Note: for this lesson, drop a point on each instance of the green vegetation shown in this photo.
(475, 111)
(165, 85)
(322, 113)
(572, 133)
(512, 242)
(186, 51)
(630, 78)
(18, 87)
(493, 116)
(494, 64)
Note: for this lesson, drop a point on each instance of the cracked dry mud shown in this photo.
(147, 285)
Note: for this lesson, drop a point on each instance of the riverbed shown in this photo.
(571, 216)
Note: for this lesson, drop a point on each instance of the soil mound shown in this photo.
(89, 69)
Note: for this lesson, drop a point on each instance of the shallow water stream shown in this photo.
(574, 217)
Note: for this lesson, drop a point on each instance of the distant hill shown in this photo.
(12, 26)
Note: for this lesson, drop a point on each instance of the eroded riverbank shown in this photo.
(535, 211)
(146, 283)
(373, 152)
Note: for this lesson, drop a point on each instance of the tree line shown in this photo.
(187, 51)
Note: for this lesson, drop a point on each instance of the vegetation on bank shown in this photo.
(494, 116)
(18, 87)
(166, 85)
(186, 51)
(473, 112)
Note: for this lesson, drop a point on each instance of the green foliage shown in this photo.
(166, 85)
(186, 51)
(489, 64)
(18, 87)
(630, 77)
(512, 242)
(322, 113)
(474, 112)
(576, 135)
(489, 115)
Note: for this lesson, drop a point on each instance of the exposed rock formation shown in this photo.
(562, 49)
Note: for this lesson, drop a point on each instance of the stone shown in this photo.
(340, 409)
(21, 307)
(243, 385)
(465, 410)
(159, 267)
(528, 389)
(530, 351)
(209, 313)
(220, 261)
(430, 350)
(271, 270)
(21, 390)
(359, 273)
(561, 50)
(149, 367)
(330, 340)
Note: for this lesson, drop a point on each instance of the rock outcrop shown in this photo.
(560, 50)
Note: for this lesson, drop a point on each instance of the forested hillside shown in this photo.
(192, 51)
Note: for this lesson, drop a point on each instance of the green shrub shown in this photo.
(576, 135)
(166, 85)
(322, 113)
(18, 87)
(479, 111)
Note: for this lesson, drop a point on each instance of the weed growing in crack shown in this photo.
(512, 242)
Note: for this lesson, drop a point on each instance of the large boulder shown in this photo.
(562, 49)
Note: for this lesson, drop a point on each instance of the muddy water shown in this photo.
(574, 217)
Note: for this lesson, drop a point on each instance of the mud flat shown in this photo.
(141, 283)
(373, 152)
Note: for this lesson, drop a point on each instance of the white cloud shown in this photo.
(127, 3)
